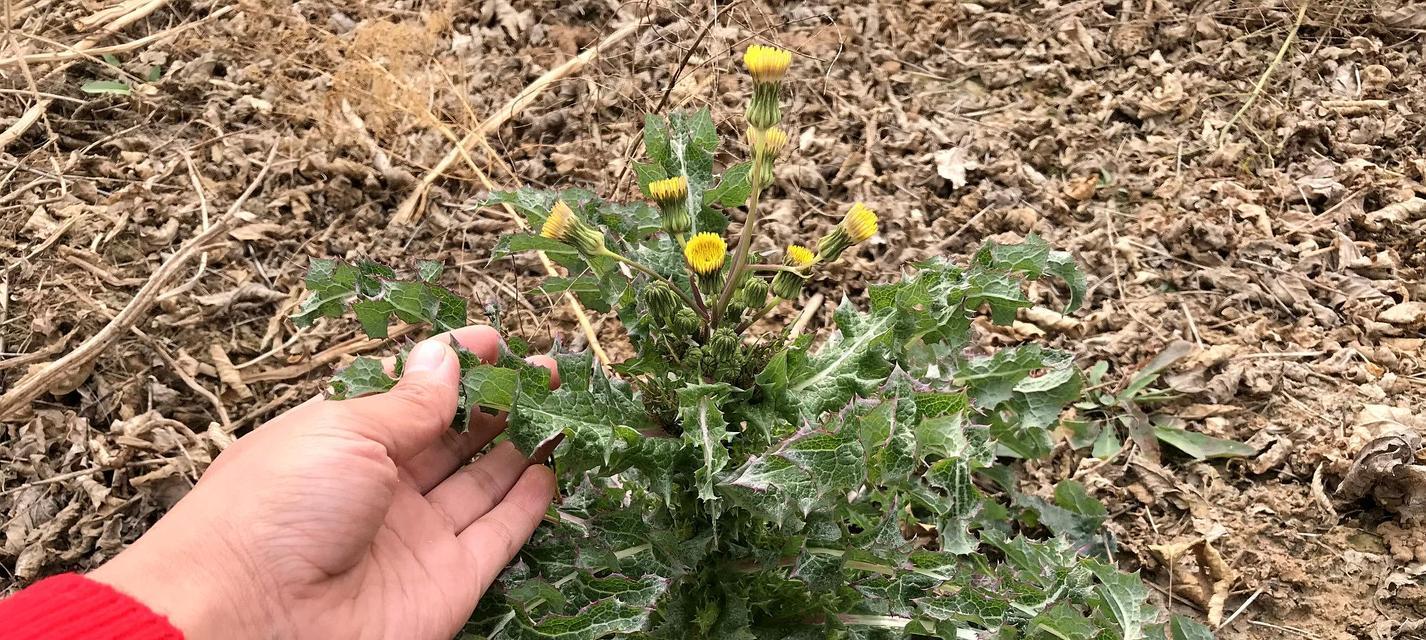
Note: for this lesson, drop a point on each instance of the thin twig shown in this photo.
(187, 379)
(32, 386)
(410, 209)
(813, 304)
(1267, 73)
(69, 53)
(332, 354)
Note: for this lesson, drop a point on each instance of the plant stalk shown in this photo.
(637, 266)
(758, 316)
(745, 242)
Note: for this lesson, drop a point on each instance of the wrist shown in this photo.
(200, 586)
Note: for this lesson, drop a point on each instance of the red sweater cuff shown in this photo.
(73, 607)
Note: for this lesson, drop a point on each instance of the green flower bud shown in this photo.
(724, 344)
(563, 225)
(755, 293)
(685, 323)
(662, 301)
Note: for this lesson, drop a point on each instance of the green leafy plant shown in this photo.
(734, 481)
(1111, 408)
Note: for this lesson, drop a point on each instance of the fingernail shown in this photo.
(427, 356)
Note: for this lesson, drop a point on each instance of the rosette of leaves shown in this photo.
(849, 489)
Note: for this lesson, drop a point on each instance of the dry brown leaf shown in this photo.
(228, 373)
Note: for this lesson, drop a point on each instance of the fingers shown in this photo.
(482, 340)
(548, 363)
(428, 468)
(415, 412)
(498, 535)
(477, 487)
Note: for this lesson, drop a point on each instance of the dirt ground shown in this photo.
(1243, 182)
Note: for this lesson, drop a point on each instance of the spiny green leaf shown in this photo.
(705, 431)
(362, 377)
(851, 363)
(1124, 597)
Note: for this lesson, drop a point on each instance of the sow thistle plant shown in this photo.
(738, 484)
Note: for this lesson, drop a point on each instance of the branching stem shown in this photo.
(745, 242)
(638, 266)
(759, 314)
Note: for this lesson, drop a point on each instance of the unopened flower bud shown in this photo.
(723, 345)
(685, 322)
(754, 293)
(766, 145)
(661, 300)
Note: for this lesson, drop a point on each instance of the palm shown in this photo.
(362, 518)
(408, 545)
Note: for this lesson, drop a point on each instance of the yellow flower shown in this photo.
(669, 190)
(564, 226)
(560, 223)
(705, 253)
(799, 256)
(860, 223)
(767, 64)
(769, 142)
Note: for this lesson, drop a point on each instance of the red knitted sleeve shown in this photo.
(72, 607)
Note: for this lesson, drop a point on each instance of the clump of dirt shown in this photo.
(1265, 209)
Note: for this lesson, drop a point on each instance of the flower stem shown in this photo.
(759, 314)
(698, 303)
(745, 242)
(637, 266)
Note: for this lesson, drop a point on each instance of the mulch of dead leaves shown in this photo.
(1274, 237)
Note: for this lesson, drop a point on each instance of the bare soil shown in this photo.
(1243, 177)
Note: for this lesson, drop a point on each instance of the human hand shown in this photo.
(346, 519)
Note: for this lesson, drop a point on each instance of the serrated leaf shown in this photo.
(489, 386)
(851, 363)
(771, 487)
(734, 188)
(705, 431)
(1124, 597)
(1063, 622)
(1185, 628)
(598, 424)
(429, 270)
(362, 377)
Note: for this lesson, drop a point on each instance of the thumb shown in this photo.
(415, 412)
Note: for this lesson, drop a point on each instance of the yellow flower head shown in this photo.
(705, 253)
(769, 142)
(560, 223)
(860, 223)
(767, 64)
(799, 256)
(669, 190)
